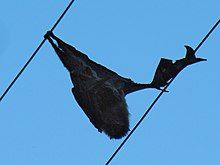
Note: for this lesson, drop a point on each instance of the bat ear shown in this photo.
(189, 51)
(188, 47)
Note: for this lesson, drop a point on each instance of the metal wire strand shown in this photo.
(156, 99)
(35, 52)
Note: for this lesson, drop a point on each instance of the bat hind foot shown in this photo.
(48, 34)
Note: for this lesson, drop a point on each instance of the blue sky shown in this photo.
(42, 124)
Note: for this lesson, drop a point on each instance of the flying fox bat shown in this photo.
(99, 91)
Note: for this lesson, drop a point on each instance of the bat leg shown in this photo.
(49, 35)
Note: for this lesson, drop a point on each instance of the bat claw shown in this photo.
(48, 34)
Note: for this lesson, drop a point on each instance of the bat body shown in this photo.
(99, 91)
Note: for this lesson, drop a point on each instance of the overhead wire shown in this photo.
(35, 52)
(146, 112)
(156, 99)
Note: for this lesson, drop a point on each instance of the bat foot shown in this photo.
(48, 34)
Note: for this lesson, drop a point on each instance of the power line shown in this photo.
(207, 35)
(147, 111)
(156, 99)
(35, 52)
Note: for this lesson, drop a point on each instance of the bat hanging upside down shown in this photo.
(101, 92)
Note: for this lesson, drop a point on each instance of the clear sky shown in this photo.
(41, 123)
